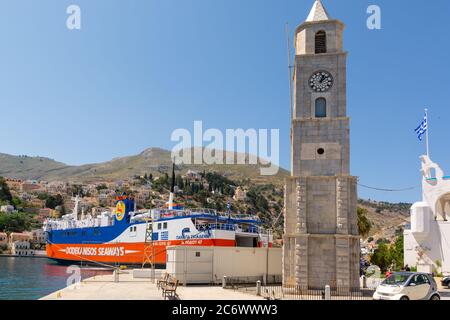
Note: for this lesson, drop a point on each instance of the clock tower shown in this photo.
(321, 241)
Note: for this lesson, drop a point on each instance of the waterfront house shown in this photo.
(38, 236)
(19, 244)
(16, 236)
(21, 248)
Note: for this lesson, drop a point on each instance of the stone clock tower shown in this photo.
(321, 241)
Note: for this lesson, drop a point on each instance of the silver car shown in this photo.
(408, 286)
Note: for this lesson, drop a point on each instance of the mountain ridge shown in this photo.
(151, 160)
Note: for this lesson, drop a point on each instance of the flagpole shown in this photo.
(426, 137)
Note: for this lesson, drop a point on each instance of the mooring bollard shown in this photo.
(116, 275)
(258, 287)
(224, 282)
(364, 281)
(327, 292)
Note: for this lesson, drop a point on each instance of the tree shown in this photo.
(53, 201)
(16, 202)
(386, 255)
(15, 222)
(381, 257)
(5, 193)
(101, 187)
(364, 224)
(42, 196)
(179, 182)
(396, 252)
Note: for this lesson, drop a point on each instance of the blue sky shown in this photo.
(139, 69)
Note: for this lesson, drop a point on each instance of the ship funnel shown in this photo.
(124, 205)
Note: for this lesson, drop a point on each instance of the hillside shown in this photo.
(152, 160)
(387, 218)
(26, 167)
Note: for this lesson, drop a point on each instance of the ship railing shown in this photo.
(245, 217)
(239, 216)
(221, 226)
(201, 211)
(168, 213)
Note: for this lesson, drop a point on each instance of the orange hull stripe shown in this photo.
(126, 253)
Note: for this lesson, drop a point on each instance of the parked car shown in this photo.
(408, 286)
(446, 282)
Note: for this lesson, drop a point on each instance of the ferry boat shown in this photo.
(120, 237)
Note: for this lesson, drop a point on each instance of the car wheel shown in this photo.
(404, 298)
(435, 297)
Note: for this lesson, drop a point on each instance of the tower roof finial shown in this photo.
(318, 12)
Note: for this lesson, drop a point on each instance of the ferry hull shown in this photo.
(123, 253)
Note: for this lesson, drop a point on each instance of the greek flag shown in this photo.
(422, 129)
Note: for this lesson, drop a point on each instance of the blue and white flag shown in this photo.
(422, 129)
(228, 205)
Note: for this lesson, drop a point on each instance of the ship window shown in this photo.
(165, 225)
(135, 228)
(131, 229)
(159, 226)
(321, 42)
(197, 254)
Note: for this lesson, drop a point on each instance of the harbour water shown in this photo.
(27, 278)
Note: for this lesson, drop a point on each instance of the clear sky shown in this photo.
(139, 69)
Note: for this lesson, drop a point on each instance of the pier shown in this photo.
(128, 288)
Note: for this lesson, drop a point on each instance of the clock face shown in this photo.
(321, 81)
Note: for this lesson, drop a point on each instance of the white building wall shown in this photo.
(191, 264)
(435, 246)
(427, 243)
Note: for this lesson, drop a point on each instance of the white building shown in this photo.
(39, 236)
(21, 248)
(427, 242)
(7, 209)
(193, 175)
(239, 194)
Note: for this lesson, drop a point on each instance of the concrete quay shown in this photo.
(128, 288)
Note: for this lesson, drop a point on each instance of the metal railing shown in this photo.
(249, 282)
(298, 292)
(272, 289)
(221, 226)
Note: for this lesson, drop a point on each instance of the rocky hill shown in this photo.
(387, 219)
(152, 160)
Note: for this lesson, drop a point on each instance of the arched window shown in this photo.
(321, 42)
(321, 108)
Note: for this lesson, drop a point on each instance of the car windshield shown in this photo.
(396, 279)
